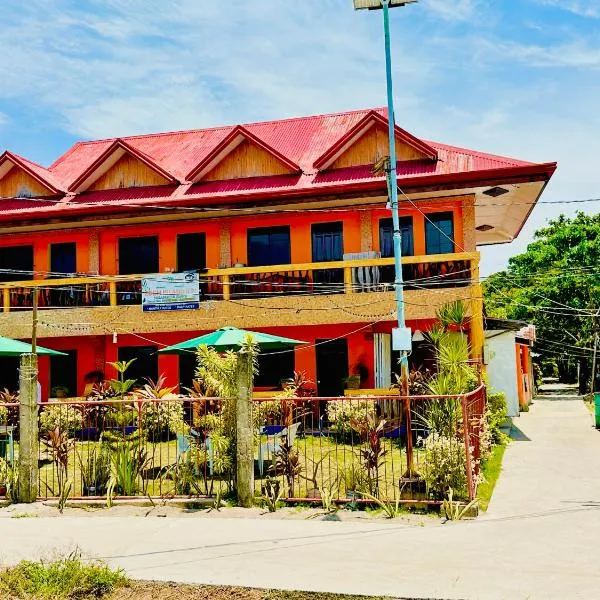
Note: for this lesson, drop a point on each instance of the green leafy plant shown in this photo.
(272, 493)
(12, 482)
(95, 468)
(453, 314)
(3, 415)
(441, 416)
(495, 416)
(328, 491)
(392, 510)
(457, 511)
(162, 418)
(67, 578)
(444, 467)
(355, 479)
(370, 430)
(121, 386)
(64, 417)
(341, 415)
(59, 445)
(129, 460)
(286, 462)
(3, 471)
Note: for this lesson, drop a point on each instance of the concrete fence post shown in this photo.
(28, 429)
(244, 433)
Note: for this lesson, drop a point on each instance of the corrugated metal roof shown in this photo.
(301, 140)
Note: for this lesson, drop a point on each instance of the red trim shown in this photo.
(123, 145)
(26, 166)
(541, 172)
(235, 132)
(401, 134)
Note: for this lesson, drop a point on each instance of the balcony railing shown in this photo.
(341, 277)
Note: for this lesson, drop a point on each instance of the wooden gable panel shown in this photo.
(247, 160)
(18, 182)
(128, 172)
(372, 146)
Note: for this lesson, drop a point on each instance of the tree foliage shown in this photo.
(555, 285)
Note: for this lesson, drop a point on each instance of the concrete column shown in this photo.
(28, 429)
(94, 253)
(468, 211)
(225, 246)
(366, 231)
(244, 433)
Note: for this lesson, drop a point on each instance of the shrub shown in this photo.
(64, 417)
(3, 471)
(163, 417)
(495, 415)
(3, 415)
(342, 413)
(60, 579)
(445, 467)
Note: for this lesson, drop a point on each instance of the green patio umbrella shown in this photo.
(232, 338)
(10, 347)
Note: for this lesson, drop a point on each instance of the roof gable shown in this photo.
(20, 177)
(367, 141)
(121, 165)
(239, 155)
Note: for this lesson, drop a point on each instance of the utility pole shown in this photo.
(401, 335)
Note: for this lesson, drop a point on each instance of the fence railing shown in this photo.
(349, 276)
(342, 449)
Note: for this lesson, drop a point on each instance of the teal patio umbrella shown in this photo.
(232, 338)
(10, 347)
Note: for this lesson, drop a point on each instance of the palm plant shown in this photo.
(59, 445)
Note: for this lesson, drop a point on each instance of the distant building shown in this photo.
(508, 347)
(285, 221)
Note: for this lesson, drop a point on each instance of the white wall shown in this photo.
(502, 366)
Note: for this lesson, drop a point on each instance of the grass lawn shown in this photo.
(491, 471)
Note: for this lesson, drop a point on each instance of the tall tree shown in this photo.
(555, 285)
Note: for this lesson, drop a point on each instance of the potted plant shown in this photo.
(60, 391)
(352, 382)
(3, 477)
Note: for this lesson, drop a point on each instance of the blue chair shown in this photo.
(7, 446)
(184, 444)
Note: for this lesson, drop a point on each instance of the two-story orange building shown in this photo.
(285, 221)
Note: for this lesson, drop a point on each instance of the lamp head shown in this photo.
(378, 4)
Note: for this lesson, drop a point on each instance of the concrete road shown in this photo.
(539, 539)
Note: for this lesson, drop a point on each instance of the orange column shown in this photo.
(167, 252)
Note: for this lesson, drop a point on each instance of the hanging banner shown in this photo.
(171, 291)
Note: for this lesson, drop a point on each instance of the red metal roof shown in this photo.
(298, 142)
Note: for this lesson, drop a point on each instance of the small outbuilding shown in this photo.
(507, 356)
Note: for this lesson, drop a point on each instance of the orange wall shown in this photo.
(300, 229)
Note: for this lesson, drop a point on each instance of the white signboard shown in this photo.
(171, 291)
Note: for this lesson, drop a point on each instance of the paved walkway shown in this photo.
(539, 539)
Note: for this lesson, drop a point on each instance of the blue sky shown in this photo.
(514, 77)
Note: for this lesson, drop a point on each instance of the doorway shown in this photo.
(63, 374)
(145, 365)
(332, 367)
(191, 252)
(328, 246)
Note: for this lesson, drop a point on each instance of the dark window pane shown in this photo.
(191, 252)
(386, 237)
(63, 373)
(272, 368)
(138, 255)
(63, 259)
(327, 242)
(16, 258)
(269, 246)
(439, 233)
(146, 363)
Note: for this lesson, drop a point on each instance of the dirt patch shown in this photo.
(172, 591)
(162, 510)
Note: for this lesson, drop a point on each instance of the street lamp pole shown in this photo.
(401, 335)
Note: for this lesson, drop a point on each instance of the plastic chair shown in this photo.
(7, 446)
(270, 447)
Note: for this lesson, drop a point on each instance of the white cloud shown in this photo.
(583, 8)
(458, 10)
(121, 67)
